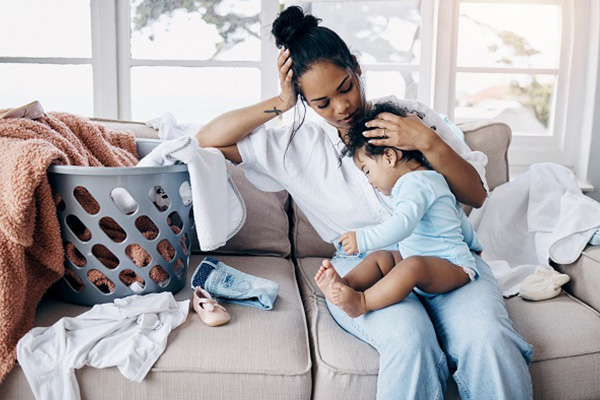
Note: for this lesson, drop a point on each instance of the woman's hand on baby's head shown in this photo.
(405, 133)
(288, 95)
(348, 242)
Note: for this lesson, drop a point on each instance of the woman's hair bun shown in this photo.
(290, 23)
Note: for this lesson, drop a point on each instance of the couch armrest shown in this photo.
(585, 276)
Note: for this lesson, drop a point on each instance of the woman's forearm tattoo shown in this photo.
(273, 111)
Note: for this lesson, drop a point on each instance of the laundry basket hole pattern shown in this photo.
(178, 267)
(146, 227)
(185, 192)
(112, 229)
(125, 230)
(100, 281)
(166, 250)
(58, 201)
(73, 280)
(191, 218)
(74, 255)
(140, 257)
(123, 200)
(185, 243)
(158, 196)
(160, 276)
(174, 220)
(86, 200)
(105, 256)
(78, 228)
(132, 280)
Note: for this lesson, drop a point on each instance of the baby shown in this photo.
(433, 236)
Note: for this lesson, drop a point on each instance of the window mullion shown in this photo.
(104, 58)
(123, 59)
(445, 61)
(268, 51)
(426, 69)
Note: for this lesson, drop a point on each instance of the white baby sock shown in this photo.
(544, 283)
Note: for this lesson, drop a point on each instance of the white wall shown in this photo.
(594, 155)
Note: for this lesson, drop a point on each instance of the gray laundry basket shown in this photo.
(125, 230)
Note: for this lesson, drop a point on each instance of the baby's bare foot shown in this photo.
(349, 300)
(326, 276)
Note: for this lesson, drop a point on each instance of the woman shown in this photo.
(420, 338)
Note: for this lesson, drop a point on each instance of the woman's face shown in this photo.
(334, 93)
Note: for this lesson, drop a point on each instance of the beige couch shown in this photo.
(297, 351)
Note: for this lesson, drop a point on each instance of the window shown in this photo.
(199, 58)
(518, 62)
(387, 37)
(48, 55)
(530, 63)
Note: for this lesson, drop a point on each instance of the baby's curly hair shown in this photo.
(357, 141)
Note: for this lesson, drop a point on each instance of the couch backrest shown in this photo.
(267, 230)
(490, 137)
(267, 227)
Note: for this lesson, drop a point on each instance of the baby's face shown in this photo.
(378, 171)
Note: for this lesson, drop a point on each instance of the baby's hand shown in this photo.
(348, 242)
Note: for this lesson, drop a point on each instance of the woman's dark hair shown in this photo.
(309, 43)
(355, 140)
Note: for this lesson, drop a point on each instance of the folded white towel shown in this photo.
(578, 223)
(168, 128)
(539, 216)
(219, 211)
(544, 284)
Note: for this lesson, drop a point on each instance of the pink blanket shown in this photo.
(31, 249)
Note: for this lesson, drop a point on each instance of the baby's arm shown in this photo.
(468, 232)
(412, 199)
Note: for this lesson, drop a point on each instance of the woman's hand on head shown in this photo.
(405, 133)
(348, 242)
(287, 95)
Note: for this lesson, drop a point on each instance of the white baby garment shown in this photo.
(130, 333)
(219, 210)
(544, 284)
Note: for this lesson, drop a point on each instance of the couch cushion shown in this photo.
(257, 355)
(267, 226)
(585, 279)
(266, 230)
(493, 139)
(306, 241)
(564, 332)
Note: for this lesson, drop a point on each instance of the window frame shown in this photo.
(575, 88)
(569, 115)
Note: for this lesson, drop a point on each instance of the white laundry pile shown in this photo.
(540, 216)
(219, 210)
(130, 333)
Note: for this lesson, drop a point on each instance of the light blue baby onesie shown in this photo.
(427, 221)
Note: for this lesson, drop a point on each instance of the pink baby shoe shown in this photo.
(210, 312)
(32, 110)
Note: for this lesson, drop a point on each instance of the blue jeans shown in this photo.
(233, 286)
(421, 339)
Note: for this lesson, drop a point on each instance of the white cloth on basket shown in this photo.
(219, 210)
(130, 333)
(540, 216)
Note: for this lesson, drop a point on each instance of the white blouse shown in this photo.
(336, 198)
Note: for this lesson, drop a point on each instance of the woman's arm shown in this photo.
(227, 129)
(411, 133)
